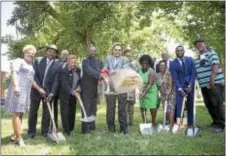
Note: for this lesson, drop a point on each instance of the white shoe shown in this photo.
(175, 128)
(20, 143)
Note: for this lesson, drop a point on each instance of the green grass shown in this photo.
(103, 143)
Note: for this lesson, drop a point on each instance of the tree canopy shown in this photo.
(146, 26)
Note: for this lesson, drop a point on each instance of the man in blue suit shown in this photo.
(183, 73)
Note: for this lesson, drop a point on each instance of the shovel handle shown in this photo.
(164, 113)
(182, 109)
(107, 83)
(51, 116)
(81, 104)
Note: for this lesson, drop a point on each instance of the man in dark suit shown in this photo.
(45, 69)
(68, 78)
(183, 73)
(91, 74)
(63, 61)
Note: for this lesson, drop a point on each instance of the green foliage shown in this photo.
(145, 26)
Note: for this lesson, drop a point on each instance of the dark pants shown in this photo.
(122, 111)
(213, 99)
(33, 114)
(68, 112)
(55, 105)
(130, 109)
(189, 106)
(90, 106)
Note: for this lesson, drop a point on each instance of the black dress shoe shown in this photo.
(31, 136)
(217, 130)
(112, 130)
(124, 131)
(213, 125)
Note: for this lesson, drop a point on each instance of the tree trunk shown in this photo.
(88, 36)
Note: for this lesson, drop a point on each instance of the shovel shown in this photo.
(56, 137)
(85, 119)
(176, 127)
(194, 131)
(108, 85)
(145, 128)
(164, 127)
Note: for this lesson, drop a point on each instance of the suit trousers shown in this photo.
(130, 110)
(189, 105)
(90, 105)
(213, 100)
(33, 114)
(55, 105)
(68, 112)
(122, 111)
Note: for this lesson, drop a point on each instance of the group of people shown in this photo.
(38, 80)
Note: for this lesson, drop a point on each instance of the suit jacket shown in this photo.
(62, 64)
(39, 66)
(63, 82)
(122, 62)
(182, 78)
(91, 74)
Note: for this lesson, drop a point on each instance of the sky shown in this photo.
(6, 13)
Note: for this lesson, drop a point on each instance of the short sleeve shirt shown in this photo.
(204, 65)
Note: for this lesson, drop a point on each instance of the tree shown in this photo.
(146, 26)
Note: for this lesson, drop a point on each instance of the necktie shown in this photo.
(183, 64)
(75, 79)
(115, 63)
(46, 71)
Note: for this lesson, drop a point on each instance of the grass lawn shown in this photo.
(102, 143)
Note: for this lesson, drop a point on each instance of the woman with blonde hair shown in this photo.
(18, 98)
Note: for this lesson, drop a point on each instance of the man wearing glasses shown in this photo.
(112, 64)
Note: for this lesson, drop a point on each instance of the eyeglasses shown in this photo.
(179, 50)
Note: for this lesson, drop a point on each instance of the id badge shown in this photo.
(202, 60)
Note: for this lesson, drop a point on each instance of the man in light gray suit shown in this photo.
(114, 63)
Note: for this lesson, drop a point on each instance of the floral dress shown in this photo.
(163, 85)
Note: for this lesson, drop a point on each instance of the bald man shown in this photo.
(64, 56)
(63, 62)
(91, 67)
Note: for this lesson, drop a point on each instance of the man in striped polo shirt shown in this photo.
(211, 80)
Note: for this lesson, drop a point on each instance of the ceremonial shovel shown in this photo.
(176, 127)
(164, 127)
(194, 131)
(145, 128)
(85, 119)
(56, 137)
